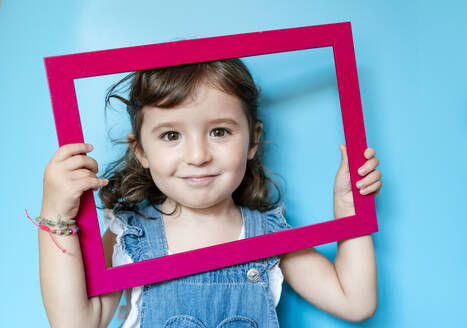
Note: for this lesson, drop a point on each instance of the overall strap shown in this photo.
(156, 245)
(254, 224)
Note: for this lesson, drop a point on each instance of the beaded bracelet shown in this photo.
(62, 230)
(66, 231)
(60, 223)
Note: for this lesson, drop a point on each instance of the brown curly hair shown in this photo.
(130, 185)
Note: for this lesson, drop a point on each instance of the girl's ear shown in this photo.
(258, 129)
(137, 150)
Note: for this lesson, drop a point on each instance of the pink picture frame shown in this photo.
(61, 72)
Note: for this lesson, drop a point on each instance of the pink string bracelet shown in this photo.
(69, 231)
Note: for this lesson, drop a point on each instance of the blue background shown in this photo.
(411, 65)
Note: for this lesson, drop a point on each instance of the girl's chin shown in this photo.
(201, 204)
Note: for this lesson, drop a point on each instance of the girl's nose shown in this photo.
(197, 152)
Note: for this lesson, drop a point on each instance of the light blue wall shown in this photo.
(411, 65)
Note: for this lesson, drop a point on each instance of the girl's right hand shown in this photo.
(68, 174)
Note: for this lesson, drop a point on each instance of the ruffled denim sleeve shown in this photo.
(131, 311)
(118, 228)
(276, 220)
(130, 238)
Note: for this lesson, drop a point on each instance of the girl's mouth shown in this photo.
(196, 179)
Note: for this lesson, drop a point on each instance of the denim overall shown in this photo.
(232, 297)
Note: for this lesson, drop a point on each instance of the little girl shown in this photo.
(193, 177)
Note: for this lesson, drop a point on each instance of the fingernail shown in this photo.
(90, 146)
(361, 171)
(359, 184)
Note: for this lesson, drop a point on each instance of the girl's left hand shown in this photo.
(369, 184)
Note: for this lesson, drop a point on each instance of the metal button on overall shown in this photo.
(253, 275)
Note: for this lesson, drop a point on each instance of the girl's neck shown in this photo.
(215, 213)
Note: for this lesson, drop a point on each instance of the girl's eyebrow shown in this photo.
(170, 124)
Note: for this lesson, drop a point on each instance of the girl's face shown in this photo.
(197, 152)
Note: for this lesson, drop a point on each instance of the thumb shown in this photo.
(344, 159)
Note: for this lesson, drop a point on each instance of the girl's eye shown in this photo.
(174, 136)
(170, 136)
(219, 132)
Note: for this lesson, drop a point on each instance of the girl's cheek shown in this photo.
(235, 154)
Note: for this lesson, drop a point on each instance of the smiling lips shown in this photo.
(199, 178)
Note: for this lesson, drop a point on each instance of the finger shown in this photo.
(82, 173)
(344, 158)
(85, 184)
(102, 183)
(81, 161)
(343, 149)
(369, 153)
(69, 150)
(374, 188)
(369, 166)
(369, 179)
